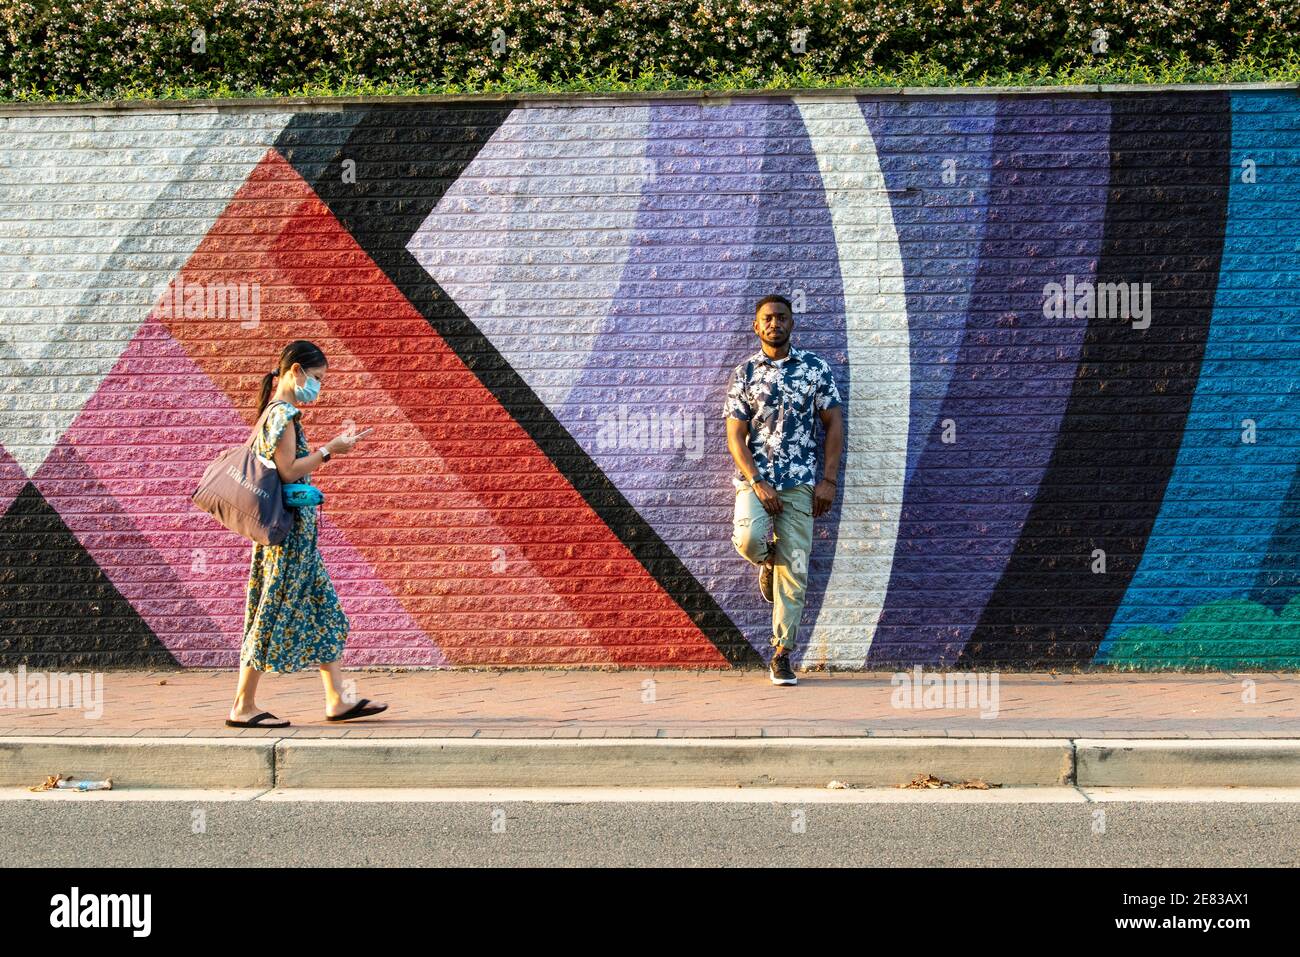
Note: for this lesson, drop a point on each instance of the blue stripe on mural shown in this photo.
(733, 210)
(968, 499)
(1227, 527)
(938, 151)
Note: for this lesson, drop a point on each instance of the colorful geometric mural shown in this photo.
(1067, 331)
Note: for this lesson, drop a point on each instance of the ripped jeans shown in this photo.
(751, 529)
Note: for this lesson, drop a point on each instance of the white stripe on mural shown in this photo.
(875, 308)
(531, 240)
(97, 215)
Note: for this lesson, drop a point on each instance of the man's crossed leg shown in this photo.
(787, 558)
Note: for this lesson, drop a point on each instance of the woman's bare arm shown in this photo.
(293, 469)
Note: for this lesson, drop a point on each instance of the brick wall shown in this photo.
(537, 307)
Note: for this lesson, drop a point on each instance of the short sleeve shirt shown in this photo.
(276, 419)
(780, 400)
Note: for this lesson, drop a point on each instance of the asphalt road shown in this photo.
(265, 833)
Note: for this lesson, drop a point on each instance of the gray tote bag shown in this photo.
(245, 495)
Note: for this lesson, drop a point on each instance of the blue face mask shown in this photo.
(307, 393)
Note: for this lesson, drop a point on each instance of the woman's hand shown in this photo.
(345, 443)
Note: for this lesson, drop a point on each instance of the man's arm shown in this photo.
(738, 446)
(824, 493)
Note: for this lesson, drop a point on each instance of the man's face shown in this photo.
(773, 324)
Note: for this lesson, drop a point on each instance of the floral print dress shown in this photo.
(293, 619)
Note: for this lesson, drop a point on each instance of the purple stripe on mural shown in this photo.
(733, 210)
(935, 157)
(968, 497)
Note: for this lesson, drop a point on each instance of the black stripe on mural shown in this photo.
(1165, 216)
(57, 607)
(426, 149)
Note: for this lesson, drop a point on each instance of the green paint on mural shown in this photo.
(1230, 634)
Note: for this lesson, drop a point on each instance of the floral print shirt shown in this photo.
(780, 399)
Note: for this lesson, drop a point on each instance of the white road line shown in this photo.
(134, 794)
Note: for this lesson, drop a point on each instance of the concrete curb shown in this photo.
(141, 762)
(1112, 762)
(674, 762)
(656, 762)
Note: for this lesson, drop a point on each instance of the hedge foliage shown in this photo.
(132, 48)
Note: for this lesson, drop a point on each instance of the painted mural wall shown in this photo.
(1066, 327)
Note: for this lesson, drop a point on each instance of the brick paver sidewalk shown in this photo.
(688, 704)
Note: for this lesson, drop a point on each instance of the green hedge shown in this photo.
(137, 48)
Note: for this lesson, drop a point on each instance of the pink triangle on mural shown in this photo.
(12, 480)
(147, 447)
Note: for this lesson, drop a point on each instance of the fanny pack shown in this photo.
(302, 495)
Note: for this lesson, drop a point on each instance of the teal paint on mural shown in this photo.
(1230, 634)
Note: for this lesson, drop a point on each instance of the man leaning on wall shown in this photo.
(776, 397)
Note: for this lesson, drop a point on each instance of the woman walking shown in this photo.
(292, 619)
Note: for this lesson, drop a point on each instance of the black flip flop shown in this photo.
(256, 721)
(358, 710)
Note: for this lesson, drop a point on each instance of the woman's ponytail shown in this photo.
(268, 384)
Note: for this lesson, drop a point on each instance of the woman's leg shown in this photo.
(336, 701)
(245, 705)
